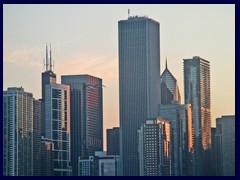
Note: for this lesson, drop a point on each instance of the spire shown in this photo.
(47, 62)
(128, 13)
(166, 62)
(50, 58)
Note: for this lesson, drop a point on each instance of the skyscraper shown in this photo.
(180, 117)
(17, 132)
(197, 93)
(139, 77)
(113, 143)
(155, 146)
(57, 125)
(37, 120)
(225, 145)
(169, 88)
(47, 156)
(86, 116)
(48, 77)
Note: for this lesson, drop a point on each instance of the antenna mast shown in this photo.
(128, 13)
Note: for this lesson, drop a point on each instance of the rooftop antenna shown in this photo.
(128, 13)
(50, 58)
(46, 58)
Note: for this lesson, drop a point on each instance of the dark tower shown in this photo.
(48, 77)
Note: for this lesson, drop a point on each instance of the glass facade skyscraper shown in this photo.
(169, 88)
(225, 146)
(139, 77)
(155, 148)
(57, 125)
(86, 116)
(17, 132)
(198, 93)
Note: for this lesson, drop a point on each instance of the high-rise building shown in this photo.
(169, 88)
(197, 93)
(106, 165)
(139, 77)
(154, 146)
(113, 143)
(86, 116)
(86, 166)
(180, 117)
(225, 145)
(47, 156)
(48, 77)
(100, 164)
(213, 152)
(57, 125)
(37, 119)
(17, 132)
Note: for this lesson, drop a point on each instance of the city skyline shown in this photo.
(78, 49)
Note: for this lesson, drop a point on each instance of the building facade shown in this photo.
(225, 146)
(57, 125)
(100, 164)
(198, 93)
(86, 116)
(17, 132)
(47, 156)
(154, 146)
(139, 70)
(37, 120)
(113, 143)
(180, 117)
(169, 88)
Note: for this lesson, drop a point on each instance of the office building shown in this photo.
(225, 146)
(169, 88)
(213, 152)
(100, 164)
(86, 116)
(180, 117)
(17, 132)
(197, 92)
(48, 77)
(139, 77)
(86, 166)
(113, 143)
(37, 119)
(154, 146)
(57, 125)
(47, 156)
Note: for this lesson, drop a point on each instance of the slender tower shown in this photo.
(48, 77)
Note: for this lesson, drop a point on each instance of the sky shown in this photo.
(84, 40)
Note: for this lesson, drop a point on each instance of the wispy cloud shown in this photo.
(28, 56)
(102, 66)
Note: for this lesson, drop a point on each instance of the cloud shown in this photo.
(28, 56)
(102, 66)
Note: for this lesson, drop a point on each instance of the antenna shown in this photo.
(50, 58)
(47, 58)
(166, 62)
(128, 13)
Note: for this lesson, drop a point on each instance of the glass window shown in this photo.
(55, 114)
(55, 104)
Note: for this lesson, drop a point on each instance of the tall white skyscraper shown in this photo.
(139, 77)
(17, 132)
(57, 125)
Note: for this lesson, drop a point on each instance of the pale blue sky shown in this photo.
(85, 40)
